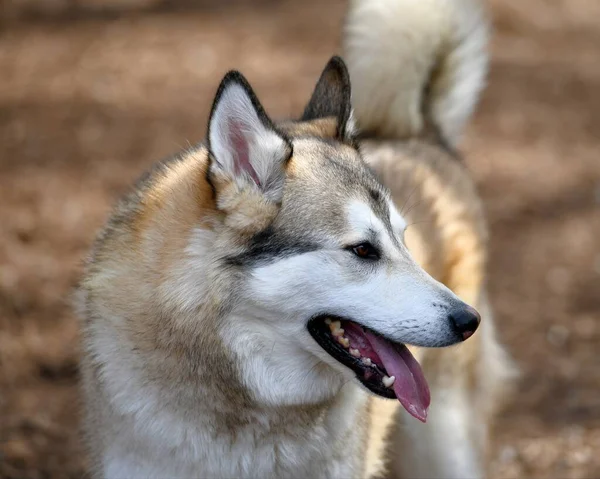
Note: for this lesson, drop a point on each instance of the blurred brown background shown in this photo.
(93, 91)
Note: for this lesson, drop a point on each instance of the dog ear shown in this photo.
(332, 98)
(244, 144)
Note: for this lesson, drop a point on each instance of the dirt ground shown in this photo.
(90, 99)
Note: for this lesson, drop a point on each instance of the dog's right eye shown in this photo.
(365, 251)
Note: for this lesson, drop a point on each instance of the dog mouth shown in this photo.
(386, 368)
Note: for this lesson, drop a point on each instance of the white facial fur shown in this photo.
(279, 358)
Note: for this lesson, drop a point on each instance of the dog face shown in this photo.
(325, 277)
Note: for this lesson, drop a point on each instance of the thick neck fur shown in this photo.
(190, 401)
(181, 363)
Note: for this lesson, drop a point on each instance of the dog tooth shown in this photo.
(335, 325)
(328, 321)
(366, 361)
(338, 332)
(355, 353)
(344, 341)
(388, 381)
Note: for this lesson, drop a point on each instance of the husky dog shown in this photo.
(252, 298)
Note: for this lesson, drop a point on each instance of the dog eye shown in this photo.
(365, 250)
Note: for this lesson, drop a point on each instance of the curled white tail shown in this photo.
(415, 63)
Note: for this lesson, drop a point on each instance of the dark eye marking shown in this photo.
(269, 246)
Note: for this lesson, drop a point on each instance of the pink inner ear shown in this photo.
(241, 150)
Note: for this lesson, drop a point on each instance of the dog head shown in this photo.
(325, 287)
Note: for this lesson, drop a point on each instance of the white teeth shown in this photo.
(328, 321)
(344, 341)
(355, 353)
(338, 332)
(366, 361)
(388, 381)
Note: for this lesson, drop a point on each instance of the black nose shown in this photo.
(465, 320)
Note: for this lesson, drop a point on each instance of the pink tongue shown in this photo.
(410, 385)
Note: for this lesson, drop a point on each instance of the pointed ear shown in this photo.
(243, 143)
(332, 97)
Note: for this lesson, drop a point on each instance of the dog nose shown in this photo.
(466, 320)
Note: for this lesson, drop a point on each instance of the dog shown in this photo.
(254, 306)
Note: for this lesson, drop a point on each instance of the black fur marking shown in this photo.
(376, 195)
(331, 96)
(268, 246)
(208, 176)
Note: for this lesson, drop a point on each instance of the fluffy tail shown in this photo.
(416, 64)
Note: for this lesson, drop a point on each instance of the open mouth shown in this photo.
(386, 368)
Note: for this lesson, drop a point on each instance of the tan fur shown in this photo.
(124, 300)
(178, 373)
(324, 128)
(150, 236)
(446, 234)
